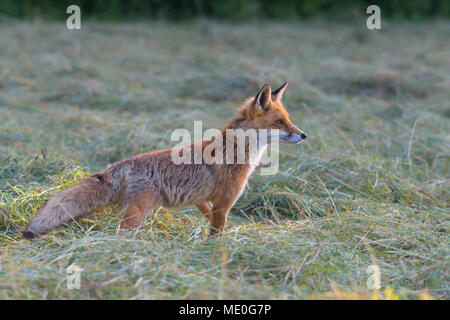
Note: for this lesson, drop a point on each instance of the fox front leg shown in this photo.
(206, 209)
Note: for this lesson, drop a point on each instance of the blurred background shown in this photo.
(292, 10)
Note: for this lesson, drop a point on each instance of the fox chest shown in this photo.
(255, 159)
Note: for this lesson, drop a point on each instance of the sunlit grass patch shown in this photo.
(17, 204)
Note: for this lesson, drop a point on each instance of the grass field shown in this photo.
(370, 186)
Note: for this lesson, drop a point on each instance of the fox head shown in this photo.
(266, 111)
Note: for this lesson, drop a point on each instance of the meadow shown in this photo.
(370, 186)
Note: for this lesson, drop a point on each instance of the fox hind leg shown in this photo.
(137, 211)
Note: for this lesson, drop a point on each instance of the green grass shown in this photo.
(369, 186)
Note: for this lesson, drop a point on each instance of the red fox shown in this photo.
(150, 180)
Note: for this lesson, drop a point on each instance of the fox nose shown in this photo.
(303, 135)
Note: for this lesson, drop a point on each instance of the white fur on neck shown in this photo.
(255, 154)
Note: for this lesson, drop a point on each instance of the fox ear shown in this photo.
(263, 98)
(278, 93)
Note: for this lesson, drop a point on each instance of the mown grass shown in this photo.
(370, 185)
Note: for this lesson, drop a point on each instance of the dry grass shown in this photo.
(370, 186)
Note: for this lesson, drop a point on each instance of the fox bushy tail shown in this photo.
(72, 204)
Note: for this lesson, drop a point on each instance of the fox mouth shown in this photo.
(293, 138)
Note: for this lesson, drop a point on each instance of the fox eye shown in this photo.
(280, 122)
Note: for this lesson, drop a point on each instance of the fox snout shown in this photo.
(295, 135)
